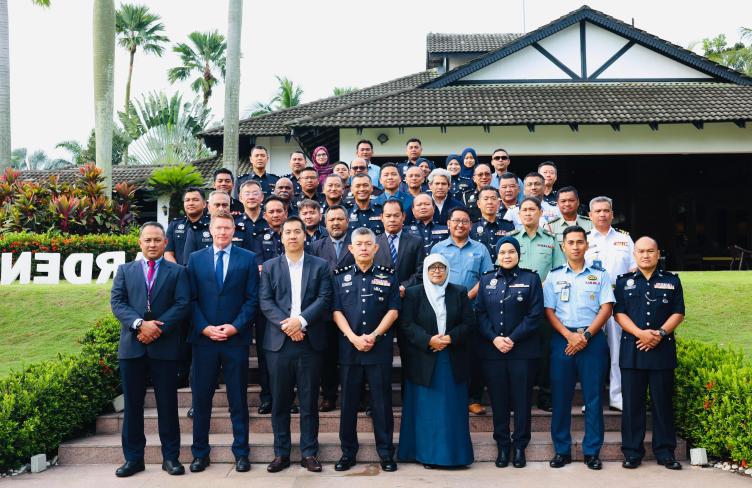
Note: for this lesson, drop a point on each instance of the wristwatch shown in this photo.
(587, 335)
(662, 332)
(137, 325)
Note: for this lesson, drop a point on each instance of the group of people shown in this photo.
(485, 280)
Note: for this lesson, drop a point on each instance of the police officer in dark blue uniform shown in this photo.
(423, 226)
(253, 219)
(275, 214)
(364, 213)
(649, 307)
(310, 213)
(309, 187)
(366, 304)
(490, 227)
(510, 309)
(471, 198)
(259, 161)
(196, 218)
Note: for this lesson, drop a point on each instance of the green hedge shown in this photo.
(713, 400)
(51, 401)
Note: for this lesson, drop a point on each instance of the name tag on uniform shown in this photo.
(565, 294)
(519, 285)
(664, 286)
(349, 283)
(445, 231)
(375, 217)
(620, 244)
(379, 282)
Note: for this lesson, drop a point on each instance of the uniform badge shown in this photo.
(472, 198)
(592, 277)
(207, 234)
(493, 282)
(353, 216)
(519, 298)
(630, 282)
(267, 237)
(181, 226)
(664, 286)
(665, 300)
(414, 227)
(348, 277)
(480, 229)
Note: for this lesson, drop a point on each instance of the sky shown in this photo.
(317, 44)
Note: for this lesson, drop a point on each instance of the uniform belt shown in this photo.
(579, 330)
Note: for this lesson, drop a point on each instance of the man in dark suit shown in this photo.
(399, 250)
(334, 250)
(224, 285)
(295, 297)
(151, 299)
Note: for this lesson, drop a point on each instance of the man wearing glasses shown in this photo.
(364, 152)
(359, 166)
(468, 260)
(500, 160)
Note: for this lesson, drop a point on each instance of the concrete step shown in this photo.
(106, 448)
(329, 421)
(253, 372)
(220, 397)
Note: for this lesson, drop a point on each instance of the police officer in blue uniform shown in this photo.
(649, 307)
(578, 300)
(364, 213)
(424, 226)
(195, 218)
(259, 161)
(490, 227)
(510, 309)
(275, 213)
(366, 304)
(471, 198)
(309, 188)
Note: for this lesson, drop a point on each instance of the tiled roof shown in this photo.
(275, 122)
(134, 174)
(467, 43)
(564, 103)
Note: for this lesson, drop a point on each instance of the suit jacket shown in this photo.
(324, 249)
(275, 299)
(170, 303)
(418, 325)
(235, 303)
(410, 255)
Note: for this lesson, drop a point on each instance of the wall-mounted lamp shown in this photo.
(165, 209)
(382, 138)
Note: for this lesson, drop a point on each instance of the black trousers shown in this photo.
(330, 366)
(295, 363)
(510, 386)
(134, 375)
(634, 386)
(378, 376)
(263, 371)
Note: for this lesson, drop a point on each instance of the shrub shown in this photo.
(713, 400)
(51, 401)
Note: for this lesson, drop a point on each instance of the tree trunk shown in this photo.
(128, 97)
(232, 86)
(104, 85)
(5, 148)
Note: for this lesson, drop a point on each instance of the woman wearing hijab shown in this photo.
(510, 308)
(436, 321)
(459, 184)
(469, 159)
(320, 158)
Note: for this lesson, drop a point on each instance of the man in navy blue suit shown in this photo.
(224, 284)
(151, 299)
(295, 297)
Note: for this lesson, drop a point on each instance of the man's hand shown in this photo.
(291, 326)
(143, 339)
(402, 291)
(362, 343)
(150, 329)
(436, 344)
(507, 345)
(215, 333)
(228, 330)
(575, 343)
(648, 339)
(298, 336)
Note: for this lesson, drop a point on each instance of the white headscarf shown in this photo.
(435, 293)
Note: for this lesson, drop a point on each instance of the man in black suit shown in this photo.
(295, 297)
(334, 250)
(399, 250)
(224, 285)
(151, 299)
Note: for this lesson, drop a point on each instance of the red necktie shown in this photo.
(150, 275)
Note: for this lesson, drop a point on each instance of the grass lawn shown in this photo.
(39, 321)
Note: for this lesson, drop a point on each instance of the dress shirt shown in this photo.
(614, 250)
(396, 240)
(145, 269)
(296, 288)
(225, 259)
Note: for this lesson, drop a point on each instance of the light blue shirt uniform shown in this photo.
(577, 297)
(466, 263)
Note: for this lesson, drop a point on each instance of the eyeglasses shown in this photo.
(437, 268)
(461, 221)
(320, 155)
(500, 158)
(222, 205)
(358, 168)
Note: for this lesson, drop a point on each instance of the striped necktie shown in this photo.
(392, 249)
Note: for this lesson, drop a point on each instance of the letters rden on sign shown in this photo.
(48, 267)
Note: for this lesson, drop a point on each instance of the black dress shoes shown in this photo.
(519, 460)
(242, 464)
(173, 467)
(311, 464)
(130, 468)
(327, 405)
(502, 459)
(190, 413)
(278, 464)
(199, 464)
(593, 462)
(294, 408)
(344, 463)
(265, 408)
(670, 463)
(388, 465)
(631, 463)
(560, 460)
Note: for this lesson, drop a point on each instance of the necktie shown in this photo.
(392, 249)
(149, 282)
(219, 270)
(337, 247)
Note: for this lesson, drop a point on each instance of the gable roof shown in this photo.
(585, 13)
(437, 43)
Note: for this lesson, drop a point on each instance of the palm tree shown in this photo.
(207, 57)
(5, 148)
(104, 85)
(138, 28)
(36, 161)
(288, 95)
(232, 89)
(343, 90)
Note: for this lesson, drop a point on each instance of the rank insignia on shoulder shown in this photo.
(342, 269)
(491, 271)
(622, 231)
(385, 269)
(558, 268)
(597, 267)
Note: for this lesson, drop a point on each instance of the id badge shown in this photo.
(565, 294)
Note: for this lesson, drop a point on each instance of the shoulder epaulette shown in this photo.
(554, 220)
(495, 268)
(558, 268)
(583, 217)
(621, 231)
(624, 275)
(669, 273)
(598, 268)
(385, 269)
(515, 232)
(342, 269)
(528, 270)
(547, 232)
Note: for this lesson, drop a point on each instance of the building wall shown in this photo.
(715, 138)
